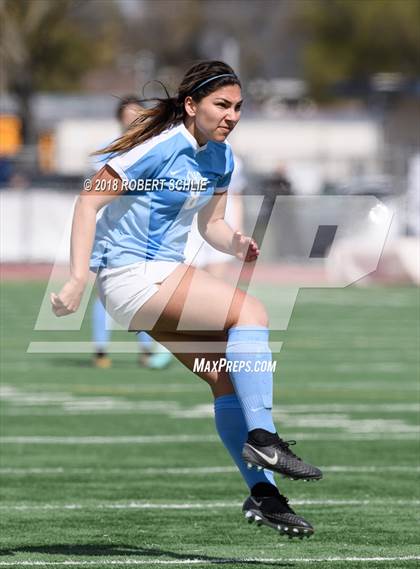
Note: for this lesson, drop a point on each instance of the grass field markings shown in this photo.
(179, 439)
(70, 403)
(198, 410)
(288, 415)
(280, 387)
(42, 471)
(204, 470)
(387, 367)
(23, 402)
(352, 426)
(209, 561)
(101, 440)
(349, 425)
(354, 407)
(112, 389)
(16, 395)
(302, 416)
(212, 505)
(68, 347)
(360, 385)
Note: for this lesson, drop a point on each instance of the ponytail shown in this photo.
(149, 123)
(200, 80)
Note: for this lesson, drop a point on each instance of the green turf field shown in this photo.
(122, 467)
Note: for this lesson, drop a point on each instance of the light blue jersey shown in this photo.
(167, 180)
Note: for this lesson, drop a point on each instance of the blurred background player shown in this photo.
(128, 110)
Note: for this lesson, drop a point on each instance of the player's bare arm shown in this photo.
(214, 229)
(82, 236)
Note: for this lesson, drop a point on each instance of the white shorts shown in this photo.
(124, 290)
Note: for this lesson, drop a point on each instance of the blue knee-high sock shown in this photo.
(232, 429)
(248, 353)
(100, 334)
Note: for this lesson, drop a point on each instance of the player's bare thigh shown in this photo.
(192, 302)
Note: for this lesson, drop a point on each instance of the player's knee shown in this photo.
(253, 312)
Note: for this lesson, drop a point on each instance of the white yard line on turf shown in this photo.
(194, 505)
(23, 401)
(351, 408)
(194, 470)
(103, 440)
(131, 347)
(129, 388)
(310, 417)
(156, 439)
(210, 561)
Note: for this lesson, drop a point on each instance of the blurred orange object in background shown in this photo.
(10, 135)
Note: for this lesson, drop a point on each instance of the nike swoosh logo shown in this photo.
(270, 459)
(258, 504)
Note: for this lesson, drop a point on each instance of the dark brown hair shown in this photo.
(198, 82)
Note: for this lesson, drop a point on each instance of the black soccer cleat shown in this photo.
(274, 454)
(275, 512)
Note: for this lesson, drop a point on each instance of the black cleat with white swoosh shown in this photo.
(273, 453)
(275, 512)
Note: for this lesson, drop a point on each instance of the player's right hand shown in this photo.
(67, 301)
(244, 248)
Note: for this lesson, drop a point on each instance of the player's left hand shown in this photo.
(244, 248)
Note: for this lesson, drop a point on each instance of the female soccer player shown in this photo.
(172, 163)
